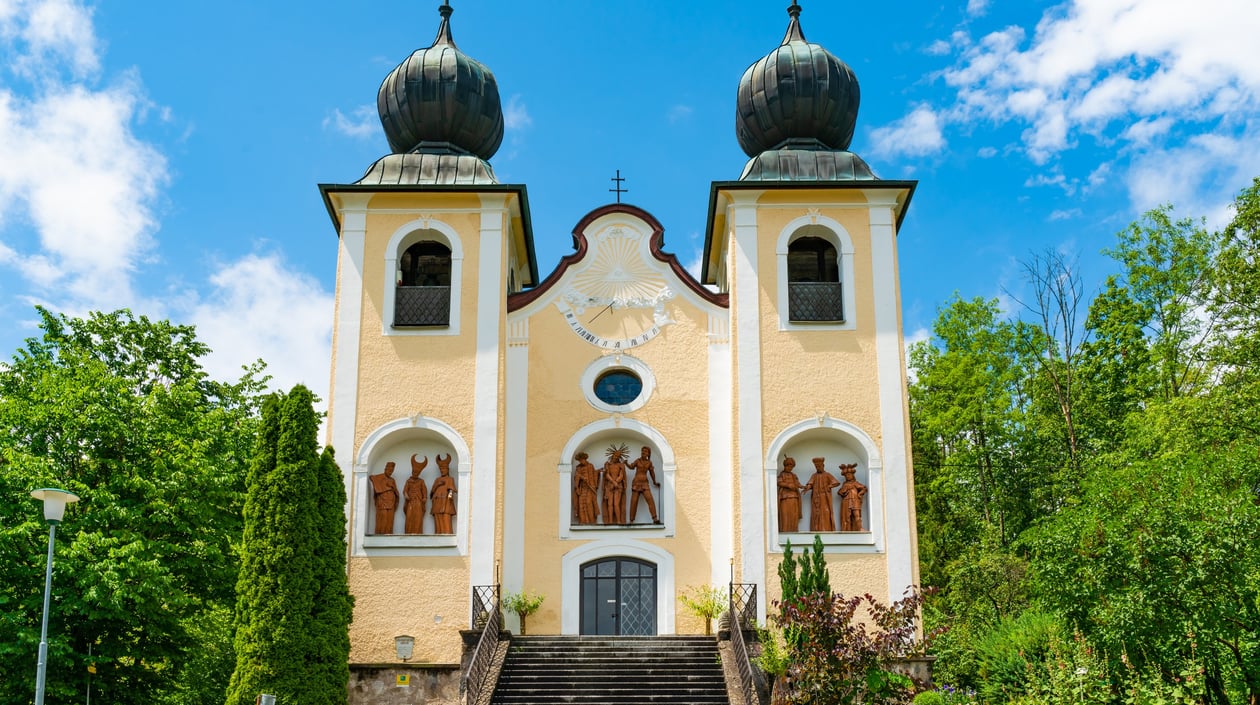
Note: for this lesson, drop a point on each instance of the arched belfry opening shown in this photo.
(813, 267)
(423, 285)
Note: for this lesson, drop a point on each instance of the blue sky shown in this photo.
(165, 156)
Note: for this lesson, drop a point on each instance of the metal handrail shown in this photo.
(486, 607)
(738, 618)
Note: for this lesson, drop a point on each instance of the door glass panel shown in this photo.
(618, 596)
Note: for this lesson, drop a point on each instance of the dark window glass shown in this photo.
(618, 387)
(812, 259)
(426, 263)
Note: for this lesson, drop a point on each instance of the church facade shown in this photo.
(616, 432)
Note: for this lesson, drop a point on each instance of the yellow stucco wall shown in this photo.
(402, 376)
(803, 374)
(557, 409)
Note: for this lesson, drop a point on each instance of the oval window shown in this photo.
(618, 387)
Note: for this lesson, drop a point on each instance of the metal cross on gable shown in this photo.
(617, 189)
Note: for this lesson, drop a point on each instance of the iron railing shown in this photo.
(486, 614)
(422, 305)
(744, 599)
(815, 301)
(743, 615)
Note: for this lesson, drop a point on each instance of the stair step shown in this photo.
(670, 670)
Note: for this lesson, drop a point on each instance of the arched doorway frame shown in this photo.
(571, 579)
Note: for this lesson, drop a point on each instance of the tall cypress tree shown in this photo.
(293, 605)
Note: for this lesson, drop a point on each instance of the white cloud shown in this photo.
(1064, 214)
(919, 335)
(940, 47)
(261, 308)
(1199, 177)
(515, 115)
(48, 36)
(363, 122)
(1141, 77)
(679, 112)
(987, 152)
(73, 169)
(916, 134)
(976, 8)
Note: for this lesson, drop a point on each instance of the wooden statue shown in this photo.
(851, 494)
(442, 497)
(613, 485)
(821, 484)
(789, 498)
(639, 486)
(585, 490)
(415, 495)
(385, 497)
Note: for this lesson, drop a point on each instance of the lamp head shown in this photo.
(55, 501)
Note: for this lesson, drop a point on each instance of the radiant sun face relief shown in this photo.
(618, 300)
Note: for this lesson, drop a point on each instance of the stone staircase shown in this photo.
(594, 670)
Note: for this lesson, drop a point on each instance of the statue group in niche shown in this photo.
(851, 494)
(607, 486)
(440, 498)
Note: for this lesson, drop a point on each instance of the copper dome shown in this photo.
(441, 100)
(798, 96)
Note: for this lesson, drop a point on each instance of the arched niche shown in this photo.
(838, 442)
(396, 442)
(594, 439)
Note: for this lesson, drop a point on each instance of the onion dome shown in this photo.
(441, 101)
(796, 112)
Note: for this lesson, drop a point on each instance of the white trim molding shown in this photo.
(663, 457)
(619, 361)
(571, 580)
(721, 467)
(417, 427)
(343, 404)
(746, 310)
(515, 420)
(423, 228)
(893, 411)
(834, 233)
(491, 314)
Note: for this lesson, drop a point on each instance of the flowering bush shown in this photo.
(839, 659)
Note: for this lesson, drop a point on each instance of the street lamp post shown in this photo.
(55, 502)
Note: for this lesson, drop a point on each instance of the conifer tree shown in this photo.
(293, 605)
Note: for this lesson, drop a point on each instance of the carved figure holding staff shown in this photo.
(415, 496)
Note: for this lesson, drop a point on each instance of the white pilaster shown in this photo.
(746, 305)
(486, 451)
(344, 390)
(721, 473)
(516, 396)
(892, 398)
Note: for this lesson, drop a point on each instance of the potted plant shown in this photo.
(522, 604)
(704, 601)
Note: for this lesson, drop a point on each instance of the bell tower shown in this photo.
(430, 247)
(804, 243)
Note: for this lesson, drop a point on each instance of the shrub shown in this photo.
(704, 601)
(840, 660)
(522, 604)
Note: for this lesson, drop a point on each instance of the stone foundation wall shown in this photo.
(404, 684)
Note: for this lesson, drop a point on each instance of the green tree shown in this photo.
(119, 410)
(293, 606)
